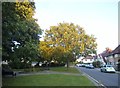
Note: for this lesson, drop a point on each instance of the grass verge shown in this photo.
(65, 69)
(47, 80)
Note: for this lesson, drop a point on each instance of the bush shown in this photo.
(97, 64)
(53, 64)
(19, 65)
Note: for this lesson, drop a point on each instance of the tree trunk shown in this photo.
(67, 63)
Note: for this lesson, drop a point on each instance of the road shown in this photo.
(107, 79)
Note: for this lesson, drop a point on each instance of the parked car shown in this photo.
(80, 65)
(107, 68)
(86, 65)
(90, 66)
(83, 65)
(6, 70)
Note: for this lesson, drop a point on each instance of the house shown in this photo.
(116, 54)
(79, 59)
(112, 57)
(88, 59)
(99, 58)
(104, 55)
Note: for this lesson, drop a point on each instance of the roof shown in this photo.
(105, 54)
(116, 50)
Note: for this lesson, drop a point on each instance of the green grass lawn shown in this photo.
(65, 69)
(47, 80)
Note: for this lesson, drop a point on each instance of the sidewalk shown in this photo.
(118, 72)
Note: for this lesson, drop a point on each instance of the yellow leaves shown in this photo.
(82, 48)
(46, 50)
(25, 9)
(65, 32)
(71, 38)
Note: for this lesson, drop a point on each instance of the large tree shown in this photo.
(46, 51)
(20, 32)
(72, 39)
(49, 53)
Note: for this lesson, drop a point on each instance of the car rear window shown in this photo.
(108, 66)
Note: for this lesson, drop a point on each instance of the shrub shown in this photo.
(97, 64)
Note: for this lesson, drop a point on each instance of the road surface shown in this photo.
(107, 79)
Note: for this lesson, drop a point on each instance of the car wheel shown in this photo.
(101, 70)
(14, 74)
(105, 70)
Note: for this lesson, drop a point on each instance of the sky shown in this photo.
(97, 17)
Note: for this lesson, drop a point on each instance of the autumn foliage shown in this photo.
(65, 41)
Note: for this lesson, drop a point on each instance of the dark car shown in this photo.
(7, 71)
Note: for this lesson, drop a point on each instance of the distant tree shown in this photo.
(97, 64)
(108, 50)
(72, 39)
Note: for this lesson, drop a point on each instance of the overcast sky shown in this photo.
(97, 17)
